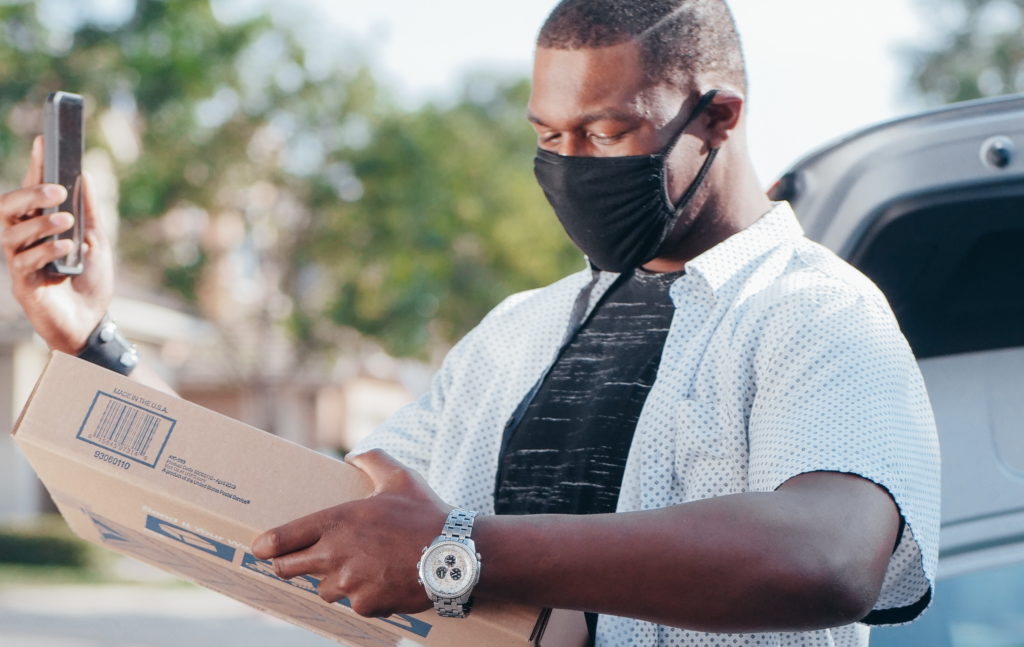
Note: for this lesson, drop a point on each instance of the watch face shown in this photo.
(449, 568)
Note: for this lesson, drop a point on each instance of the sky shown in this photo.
(818, 69)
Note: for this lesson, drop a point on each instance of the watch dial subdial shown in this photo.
(449, 569)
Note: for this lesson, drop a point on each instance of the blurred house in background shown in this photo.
(328, 406)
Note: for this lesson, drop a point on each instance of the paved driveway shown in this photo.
(138, 616)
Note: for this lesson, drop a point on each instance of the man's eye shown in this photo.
(605, 139)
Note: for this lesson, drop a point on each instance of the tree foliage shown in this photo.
(453, 199)
(978, 50)
(282, 192)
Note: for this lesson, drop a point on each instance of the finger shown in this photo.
(330, 590)
(34, 173)
(23, 235)
(302, 562)
(17, 204)
(34, 259)
(380, 466)
(292, 536)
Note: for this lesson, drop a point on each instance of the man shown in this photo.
(716, 428)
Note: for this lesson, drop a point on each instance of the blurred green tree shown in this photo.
(450, 221)
(977, 50)
(278, 188)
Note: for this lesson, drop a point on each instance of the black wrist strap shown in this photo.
(108, 348)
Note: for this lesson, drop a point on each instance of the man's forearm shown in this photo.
(800, 558)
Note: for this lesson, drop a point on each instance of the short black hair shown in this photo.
(679, 39)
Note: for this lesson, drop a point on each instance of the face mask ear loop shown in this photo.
(701, 106)
(697, 181)
(678, 207)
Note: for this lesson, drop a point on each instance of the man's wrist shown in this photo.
(450, 566)
(107, 347)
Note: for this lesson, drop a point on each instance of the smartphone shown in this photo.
(64, 141)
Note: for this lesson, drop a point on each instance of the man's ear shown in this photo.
(723, 116)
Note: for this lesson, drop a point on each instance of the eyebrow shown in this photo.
(608, 113)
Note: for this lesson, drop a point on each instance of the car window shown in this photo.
(950, 264)
(980, 609)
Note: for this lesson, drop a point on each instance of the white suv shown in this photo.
(931, 207)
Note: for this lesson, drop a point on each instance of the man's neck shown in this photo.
(723, 214)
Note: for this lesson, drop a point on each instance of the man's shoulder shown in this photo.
(817, 305)
(813, 288)
(815, 277)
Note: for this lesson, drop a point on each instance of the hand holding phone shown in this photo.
(63, 309)
(63, 135)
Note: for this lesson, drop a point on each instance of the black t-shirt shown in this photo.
(568, 453)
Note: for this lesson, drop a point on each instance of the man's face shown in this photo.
(598, 103)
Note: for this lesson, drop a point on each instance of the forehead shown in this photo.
(569, 84)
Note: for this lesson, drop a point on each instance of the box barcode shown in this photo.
(126, 429)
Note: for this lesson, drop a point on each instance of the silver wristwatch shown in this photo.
(450, 566)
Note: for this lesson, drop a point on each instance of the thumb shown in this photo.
(381, 467)
(34, 173)
(91, 218)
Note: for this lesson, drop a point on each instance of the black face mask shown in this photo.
(617, 209)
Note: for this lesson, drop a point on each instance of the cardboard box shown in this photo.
(186, 489)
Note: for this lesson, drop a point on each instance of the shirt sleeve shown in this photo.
(838, 389)
(410, 434)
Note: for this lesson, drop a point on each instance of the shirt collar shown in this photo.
(740, 254)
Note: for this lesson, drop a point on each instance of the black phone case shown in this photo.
(64, 140)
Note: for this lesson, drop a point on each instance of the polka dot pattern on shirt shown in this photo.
(781, 360)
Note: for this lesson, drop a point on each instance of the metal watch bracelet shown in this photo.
(458, 526)
(108, 348)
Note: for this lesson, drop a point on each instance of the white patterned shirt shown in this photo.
(781, 360)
